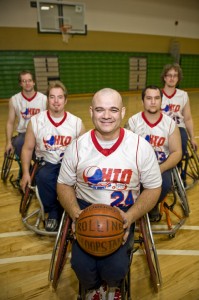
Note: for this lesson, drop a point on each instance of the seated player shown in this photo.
(50, 133)
(123, 160)
(175, 103)
(22, 107)
(163, 135)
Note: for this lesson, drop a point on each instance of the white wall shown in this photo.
(155, 17)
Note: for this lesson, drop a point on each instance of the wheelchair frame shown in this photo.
(33, 220)
(6, 167)
(189, 169)
(64, 237)
(179, 198)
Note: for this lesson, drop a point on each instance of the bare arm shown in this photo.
(26, 155)
(67, 198)
(10, 126)
(189, 124)
(175, 150)
(145, 202)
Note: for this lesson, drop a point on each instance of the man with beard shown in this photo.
(22, 107)
(163, 135)
(50, 132)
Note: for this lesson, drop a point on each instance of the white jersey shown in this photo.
(156, 134)
(53, 138)
(173, 106)
(26, 108)
(110, 176)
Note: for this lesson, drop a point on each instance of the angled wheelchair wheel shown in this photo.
(192, 170)
(147, 242)
(7, 163)
(126, 287)
(180, 190)
(60, 250)
(29, 192)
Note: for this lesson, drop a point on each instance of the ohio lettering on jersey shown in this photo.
(154, 140)
(171, 108)
(157, 142)
(116, 179)
(29, 112)
(55, 142)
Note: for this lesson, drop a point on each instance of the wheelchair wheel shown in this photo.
(29, 192)
(126, 287)
(150, 252)
(180, 190)
(7, 163)
(59, 254)
(192, 170)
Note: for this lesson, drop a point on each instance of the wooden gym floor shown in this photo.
(25, 256)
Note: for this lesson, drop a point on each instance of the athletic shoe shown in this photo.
(93, 295)
(103, 291)
(114, 294)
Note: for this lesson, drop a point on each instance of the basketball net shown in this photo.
(65, 35)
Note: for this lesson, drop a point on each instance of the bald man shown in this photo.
(122, 161)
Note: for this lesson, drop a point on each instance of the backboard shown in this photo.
(52, 15)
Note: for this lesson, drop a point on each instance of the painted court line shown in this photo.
(42, 257)
(172, 252)
(184, 227)
(17, 233)
(13, 260)
(23, 233)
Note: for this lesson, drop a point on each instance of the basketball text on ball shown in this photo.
(96, 225)
(99, 229)
(100, 248)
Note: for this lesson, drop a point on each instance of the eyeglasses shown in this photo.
(27, 81)
(172, 76)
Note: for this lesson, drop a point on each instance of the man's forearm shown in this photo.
(171, 161)
(26, 156)
(145, 202)
(67, 198)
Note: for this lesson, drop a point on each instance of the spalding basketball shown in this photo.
(99, 229)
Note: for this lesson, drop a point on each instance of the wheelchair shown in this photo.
(6, 167)
(174, 207)
(31, 207)
(143, 237)
(189, 167)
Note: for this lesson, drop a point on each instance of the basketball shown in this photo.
(99, 229)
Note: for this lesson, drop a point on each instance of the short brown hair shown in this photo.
(57, 84)
(169, 67)
(24, 72)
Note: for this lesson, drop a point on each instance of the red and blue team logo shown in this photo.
(49, 142)
(166, 108)
(147, 138)
(93, 175)
(26, 114)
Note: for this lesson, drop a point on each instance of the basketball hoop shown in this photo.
(65, 32)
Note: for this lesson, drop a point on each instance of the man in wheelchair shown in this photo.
(22, 107)
(176, 104)
(49, 133)
(163, 135)
(107, 165)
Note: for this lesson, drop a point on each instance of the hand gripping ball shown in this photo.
(99, 229)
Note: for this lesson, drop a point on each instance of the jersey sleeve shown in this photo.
(150, 175)
(131, 124)
(67, 174)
